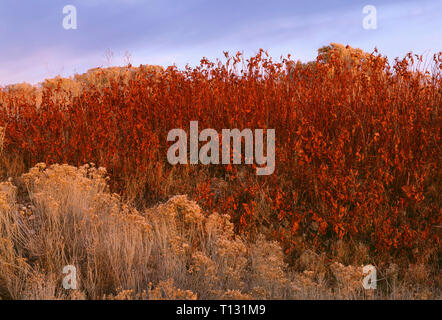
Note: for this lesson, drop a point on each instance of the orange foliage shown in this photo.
(357, 140)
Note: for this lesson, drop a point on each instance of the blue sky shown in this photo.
(34, 44)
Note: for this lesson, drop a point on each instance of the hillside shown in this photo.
(357, 181)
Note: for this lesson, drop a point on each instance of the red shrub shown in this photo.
(357, 145)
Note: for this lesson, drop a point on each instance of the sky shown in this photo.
(35, 45)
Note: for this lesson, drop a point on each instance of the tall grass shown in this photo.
(63, 215)
(357, 152)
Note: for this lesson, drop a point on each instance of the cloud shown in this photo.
(181, 32)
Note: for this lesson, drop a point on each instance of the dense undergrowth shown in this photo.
(64, 215)
(357, 176)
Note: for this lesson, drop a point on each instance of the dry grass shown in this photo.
(357, 182)
(64, 215)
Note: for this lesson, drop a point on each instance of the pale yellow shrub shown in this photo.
(349, 279)
(62, 215)
(166, 290)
